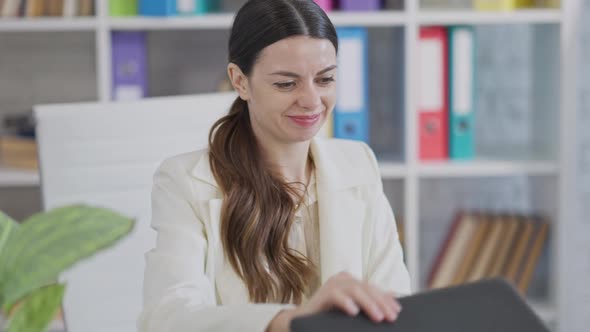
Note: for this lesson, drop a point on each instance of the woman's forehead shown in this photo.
(298, 53)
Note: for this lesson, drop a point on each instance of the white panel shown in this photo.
(350, 75)
(463, 71)
(185, 6)
(128, 92)
(431, 75)
(106, 155)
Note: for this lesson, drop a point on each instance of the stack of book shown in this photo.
(38, 8)
(486, 245)
(18, 152)
(18, 147)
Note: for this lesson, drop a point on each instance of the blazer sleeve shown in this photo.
(178, 294)
(385, 268)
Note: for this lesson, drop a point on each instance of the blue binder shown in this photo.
(351, 118)
(177, 7)
(157, 7)
(197, 7)
(461, 92)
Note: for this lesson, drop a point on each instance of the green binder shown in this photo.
(123, 7)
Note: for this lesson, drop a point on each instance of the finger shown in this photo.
(367, 303)
(391, 296)
(344, 302)
(384, 301)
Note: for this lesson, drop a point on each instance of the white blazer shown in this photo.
(190, 286)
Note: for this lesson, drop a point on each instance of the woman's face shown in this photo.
(292, 89)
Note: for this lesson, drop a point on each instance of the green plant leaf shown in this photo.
(7, 227)
(37, 310)
(50, 242)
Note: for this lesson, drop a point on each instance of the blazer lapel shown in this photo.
(341, 220)
(341, 216)
(230, 288)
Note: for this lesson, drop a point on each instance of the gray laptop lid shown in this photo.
(491, 305)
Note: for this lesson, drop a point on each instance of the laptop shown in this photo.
(491, 305)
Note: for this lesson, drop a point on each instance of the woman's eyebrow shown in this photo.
(295, 75)
(323, 71)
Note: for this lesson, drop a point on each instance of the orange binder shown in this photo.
(433, 103)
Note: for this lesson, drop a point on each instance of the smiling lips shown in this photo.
(305, 120)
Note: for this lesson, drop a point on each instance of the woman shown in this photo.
(269, 224)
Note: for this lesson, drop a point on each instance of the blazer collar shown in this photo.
(334, 170)
(202, 170)
(340, 211)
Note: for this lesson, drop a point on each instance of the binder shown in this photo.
(70, 8)
(158, 7)
(10, 8)
(393, 4)
(433, 87)
(327, 5)
(85, 8)
(36, 8)
(462, 92)
(351, 119)
(533, 253)
(472, 250)
(123, 7)
(360, 5)
(446, 4)
(502, 4)
(488, 250)
(197, 7)
(452, 252)
(491, 305)
(386, 114)
(129, 65)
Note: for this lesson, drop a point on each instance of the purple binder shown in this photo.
(360, 5)
(129, 65)
(326, 5)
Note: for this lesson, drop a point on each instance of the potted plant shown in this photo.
(34, 253)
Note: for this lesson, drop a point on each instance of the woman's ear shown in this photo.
(238, 80)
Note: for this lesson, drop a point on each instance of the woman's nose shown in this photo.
(310, 98)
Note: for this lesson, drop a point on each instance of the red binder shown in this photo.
(433, 103)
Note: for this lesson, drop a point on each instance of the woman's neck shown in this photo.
(291, 161)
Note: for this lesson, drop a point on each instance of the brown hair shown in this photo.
(258, 207)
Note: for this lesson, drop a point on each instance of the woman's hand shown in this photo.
(346, 293)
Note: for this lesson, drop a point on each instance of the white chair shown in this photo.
(105, 154)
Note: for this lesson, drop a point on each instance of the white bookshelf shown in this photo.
(48, 24)
(411, 172)
(486, 169)
(11, 177)
(223, 21)
(534, 16)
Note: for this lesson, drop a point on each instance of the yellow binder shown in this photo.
(485, 5)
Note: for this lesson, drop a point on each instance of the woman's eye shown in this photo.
(285, 85)
(326, 80)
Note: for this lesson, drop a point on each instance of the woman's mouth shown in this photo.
(305, 120)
